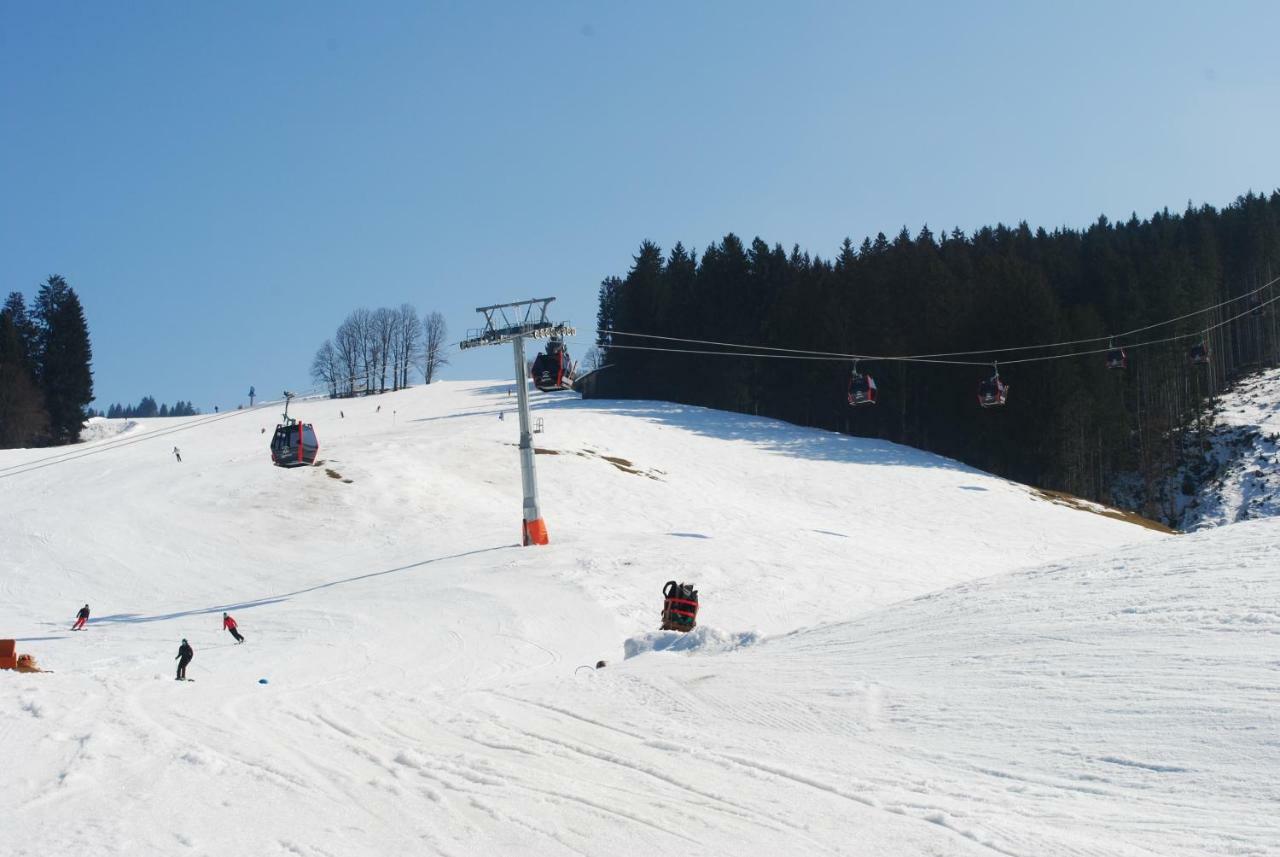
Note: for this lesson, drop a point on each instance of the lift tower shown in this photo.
(514, 323)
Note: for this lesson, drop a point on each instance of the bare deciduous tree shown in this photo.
(350, 351)
(383, 331)
(407, 341)
(591, 361)
(433, 349)
(362, 320)
(326, 368)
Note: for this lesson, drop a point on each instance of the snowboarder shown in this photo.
(81, 618)
(229, 624)
(185, 654)
(177, 454)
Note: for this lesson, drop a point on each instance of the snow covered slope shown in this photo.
(424, 694)
(1241, 466)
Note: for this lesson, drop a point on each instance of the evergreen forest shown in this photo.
(1071, 424)
(147, 407)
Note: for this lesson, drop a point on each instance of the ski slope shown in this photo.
(899, 654)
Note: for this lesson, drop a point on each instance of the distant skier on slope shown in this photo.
(185, 654)
(81, 618)
(229, 624)
(177, 454)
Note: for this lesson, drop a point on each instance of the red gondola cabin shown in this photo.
(552, 369)
(294, 444)
(992, 392)
(862, 389)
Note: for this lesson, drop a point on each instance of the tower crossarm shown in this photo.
(504, 322)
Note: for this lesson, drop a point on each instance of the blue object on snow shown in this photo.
(262, 681)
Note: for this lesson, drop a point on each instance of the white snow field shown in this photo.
(900, 655)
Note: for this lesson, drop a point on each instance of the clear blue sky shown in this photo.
(223, 182)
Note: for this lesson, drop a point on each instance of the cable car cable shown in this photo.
(119, 443)
(927, 357)
(799, 354)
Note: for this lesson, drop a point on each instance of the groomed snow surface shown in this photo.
(900, 655)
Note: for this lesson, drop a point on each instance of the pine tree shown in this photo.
(23, 419)
(633, 313)
(24, 328)
(605, 315)
(65, 358)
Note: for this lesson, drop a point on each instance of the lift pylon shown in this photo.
(515, 322)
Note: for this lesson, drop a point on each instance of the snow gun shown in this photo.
(679, 606)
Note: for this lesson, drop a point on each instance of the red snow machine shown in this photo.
(679, 607)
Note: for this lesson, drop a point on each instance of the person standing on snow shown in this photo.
(185, 654)
(229, 624)
(81, 618)
(177, 454)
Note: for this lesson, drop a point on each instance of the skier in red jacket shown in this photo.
(230, 624)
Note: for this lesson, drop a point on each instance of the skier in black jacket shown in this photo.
(185, 654)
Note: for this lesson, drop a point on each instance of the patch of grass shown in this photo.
(620, 463)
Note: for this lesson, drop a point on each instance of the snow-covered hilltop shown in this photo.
(1238, 470)
(903, 655)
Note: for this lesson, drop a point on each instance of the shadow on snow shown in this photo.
(137, 618)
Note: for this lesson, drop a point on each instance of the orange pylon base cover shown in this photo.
(535, 533)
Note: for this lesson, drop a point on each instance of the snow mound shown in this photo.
(101, 428)
(703, 639)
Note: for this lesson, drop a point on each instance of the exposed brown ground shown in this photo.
(1071, 501)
